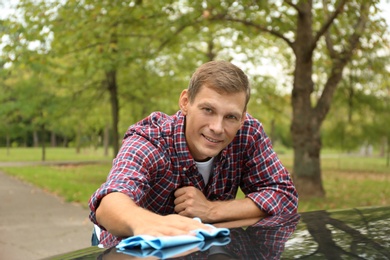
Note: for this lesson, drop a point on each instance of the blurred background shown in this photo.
(75, 74)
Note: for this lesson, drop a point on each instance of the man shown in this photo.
(171, 169)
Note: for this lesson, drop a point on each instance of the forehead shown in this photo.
(220, 99)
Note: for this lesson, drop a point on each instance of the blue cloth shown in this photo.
(147, 242)
(174, 251)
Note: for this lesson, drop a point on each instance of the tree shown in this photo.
(113, 51)
(307, 28)
(360, 101)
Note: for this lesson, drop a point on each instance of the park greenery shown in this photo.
(76, 74)
(349, 181)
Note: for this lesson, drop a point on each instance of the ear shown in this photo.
(183, 101)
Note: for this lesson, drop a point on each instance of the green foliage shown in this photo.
(361, 109)
(56, 56)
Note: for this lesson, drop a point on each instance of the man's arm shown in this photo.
(191, 202)
(120, 216)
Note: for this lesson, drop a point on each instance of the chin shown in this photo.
(212, 154)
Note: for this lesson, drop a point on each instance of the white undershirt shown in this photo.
(204, 168)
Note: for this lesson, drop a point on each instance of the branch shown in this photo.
(292, 5)
(177, 32)
(131, 35)
(340, 61)
(83, 48)
(256, 26)
(324, 30)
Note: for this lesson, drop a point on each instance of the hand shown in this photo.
(169, 225)
(191, 202)
(123, 218)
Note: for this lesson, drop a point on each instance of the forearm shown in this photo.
(114, 211)
(231, 210)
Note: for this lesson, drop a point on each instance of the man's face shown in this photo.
(212, 120)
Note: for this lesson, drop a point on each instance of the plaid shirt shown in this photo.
(154, 161)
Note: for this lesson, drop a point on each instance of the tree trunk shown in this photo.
(78, 140)
(307, 161)
(113, 89)
(65, 142)
(382, 147)
(8, 143)
(307, 118)
(305, 132)
(35, 139)
(53, 139)
(106, 139)
(304, 126)
(43, 141)
(388, 153)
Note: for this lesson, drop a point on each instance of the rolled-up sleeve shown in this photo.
(266, 181)
(128, 174)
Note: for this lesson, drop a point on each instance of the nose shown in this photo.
(216, 125)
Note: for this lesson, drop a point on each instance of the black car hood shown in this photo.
(362, 233)
(346, 234)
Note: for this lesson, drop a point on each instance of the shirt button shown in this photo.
(185, 168)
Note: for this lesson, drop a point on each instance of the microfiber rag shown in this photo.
(174, 251)
(146, 241)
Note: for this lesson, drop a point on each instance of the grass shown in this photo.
(346, 163)
(73, 183)
(52, 154)
(351, 189)
(349, 181)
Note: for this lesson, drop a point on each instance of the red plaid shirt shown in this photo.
(154, 161)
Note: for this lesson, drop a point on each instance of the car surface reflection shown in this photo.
(264, 239)
(345, 234)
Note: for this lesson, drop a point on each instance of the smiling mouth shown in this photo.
(211, 139)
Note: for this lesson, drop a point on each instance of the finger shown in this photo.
(180, 191)
(171, 231)
(183, 213)
(187, 224)
(179, 208)
(179, 200)
(186, 211)
(193, 223)
(190, 224)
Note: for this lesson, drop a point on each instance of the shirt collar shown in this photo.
(179, 141)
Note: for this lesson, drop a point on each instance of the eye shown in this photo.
(232, 117)
(207, 110)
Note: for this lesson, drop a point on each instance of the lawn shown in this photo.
(349, 181)
(72, 183)
(52, 154)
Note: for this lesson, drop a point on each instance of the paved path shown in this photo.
(35, 224)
